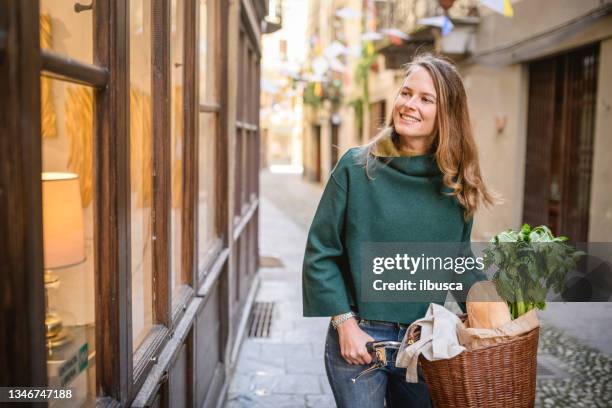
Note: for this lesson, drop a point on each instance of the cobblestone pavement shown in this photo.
(585, 378)
(287, 370)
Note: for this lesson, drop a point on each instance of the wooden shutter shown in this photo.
(540, 131)
(579, 105)
(561, 118)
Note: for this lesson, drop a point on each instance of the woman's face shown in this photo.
(414, 112)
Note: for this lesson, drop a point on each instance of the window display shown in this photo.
(68, 238)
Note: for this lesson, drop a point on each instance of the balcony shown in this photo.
(421, 26)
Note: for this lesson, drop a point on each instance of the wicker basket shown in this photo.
(503, 375)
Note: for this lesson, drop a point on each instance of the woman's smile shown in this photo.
(409, 119)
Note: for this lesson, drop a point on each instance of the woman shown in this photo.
(417, 181)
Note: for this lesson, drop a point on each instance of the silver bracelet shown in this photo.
(338, 320)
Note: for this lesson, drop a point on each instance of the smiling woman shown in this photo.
(426, 188)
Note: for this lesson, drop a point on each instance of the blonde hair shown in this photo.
(453, 145)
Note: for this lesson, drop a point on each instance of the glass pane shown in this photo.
(141, 171)
(65, 31)
(208, 52)
(206, 189)
(203, 49)
(176, 148)
(68, 234)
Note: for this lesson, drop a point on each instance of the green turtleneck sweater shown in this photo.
(403, 203)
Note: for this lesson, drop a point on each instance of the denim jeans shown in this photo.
(373, 389)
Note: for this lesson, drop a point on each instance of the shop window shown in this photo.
(179, 277)
(208, 48)
(209, 243)
(141, 171)
(68, 237)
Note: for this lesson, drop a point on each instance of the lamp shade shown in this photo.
(63, 233)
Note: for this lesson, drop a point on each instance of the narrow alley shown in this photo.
(285, 369)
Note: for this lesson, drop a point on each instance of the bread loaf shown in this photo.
(485, 308)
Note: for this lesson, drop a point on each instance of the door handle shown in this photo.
(78, 7)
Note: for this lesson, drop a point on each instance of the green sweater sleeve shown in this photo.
(471, 275)
(323, 286)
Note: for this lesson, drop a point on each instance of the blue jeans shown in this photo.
(373, 389)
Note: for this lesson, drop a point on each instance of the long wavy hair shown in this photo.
(453, 145)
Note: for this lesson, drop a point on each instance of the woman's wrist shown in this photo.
(348, 326)
(340, 319)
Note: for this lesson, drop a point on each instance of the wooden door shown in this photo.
(561, 117)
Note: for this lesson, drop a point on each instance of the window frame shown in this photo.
(246, 181)
(109, 77)
(208, 269)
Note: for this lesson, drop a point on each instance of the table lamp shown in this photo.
(64, 241)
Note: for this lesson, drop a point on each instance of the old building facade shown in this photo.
(128, 196)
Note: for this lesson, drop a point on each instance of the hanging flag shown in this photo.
(442, 22)
(447, 27)
(268, 86)
(320, 66)
(395, 40)
(318, 89)
(336, 65)
(370, 48)
(347, 13)
(355, 51)
(371, 36)
(334, 49)
(394, 32)
(499, 6)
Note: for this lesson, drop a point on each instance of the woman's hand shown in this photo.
(353, 342)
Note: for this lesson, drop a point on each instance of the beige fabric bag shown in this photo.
(438, 340)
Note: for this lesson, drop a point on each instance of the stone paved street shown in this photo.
(286, 369)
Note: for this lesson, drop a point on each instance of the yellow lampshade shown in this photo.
(63, 233)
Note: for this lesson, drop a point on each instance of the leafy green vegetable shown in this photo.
(530, 262)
